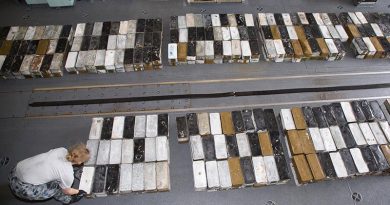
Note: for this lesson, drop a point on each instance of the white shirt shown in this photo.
(46, 167)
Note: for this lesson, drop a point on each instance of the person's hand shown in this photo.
(77, 197)
(70, 191)
(82, 193)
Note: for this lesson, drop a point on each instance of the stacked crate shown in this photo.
(215, 38)
(234, 149)
(127, 154)
(108, 47)
(301, 36)
(33, 51)
(368, 34)
(339, 140)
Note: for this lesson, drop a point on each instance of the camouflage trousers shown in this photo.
(37, 192)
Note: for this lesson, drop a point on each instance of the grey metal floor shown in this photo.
(22, 135)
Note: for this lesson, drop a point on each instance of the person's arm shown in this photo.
(70, 191)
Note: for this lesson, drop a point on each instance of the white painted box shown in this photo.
(318, 19)
(292, 33)
(367, 133)
(348, 112)
(150, 176)
(112, 42)
(361, 17)
(109, 60)
(287, 19)
(86, 179)
(327, 139)
(343, 34)
(271, 169)
(30, 33)
(246, 51)
(150, 149)
(97, 29)
(249, 20)
(70, 64)
(132, 26)
(338, 165)
(385, 128)
(103, 156)
(354, 18)
(12, 33)
(302, 18)
(236, 48)
(232, 20)
(315, 135)
(127, 151)
(243, 145)
(377, 131)
(359, 160)
(117, 128)
(225, 181)
(203, 120)
(125, 175)
(163, 178)
(76, 45)
(325, 32)
(270, 19)
(80, 28)
(287, 119)
(196, 147)
(151, 125)
(215, 20)
(325, 18)
(190, 20)
(333, 32)
(183, 35)
(115, 152)
(259, 170)
(123, 27)
(92, 146)
(181, 21)
(162, 148)
(357, 134)
(139, 126)
(217, 31)
(137, 177)
(220, 147)
(262, 19)
(377, 30)
(212, 175)
(337, 137)
(215, 123)
(199, 172)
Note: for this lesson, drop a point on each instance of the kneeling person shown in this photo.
(49, 175)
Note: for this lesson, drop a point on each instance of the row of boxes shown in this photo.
(213, 38)
(294, 37)
(368, 34)
(337, 141)
(239, 148)
(245, 159)
(33, 51)
(134, 45)
(107, 47)
(127, 154)
(234, 149)
(315, 167)
(111, 179)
